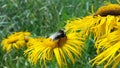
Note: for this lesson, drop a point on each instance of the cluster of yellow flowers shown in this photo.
(104, 25)
(61, 45)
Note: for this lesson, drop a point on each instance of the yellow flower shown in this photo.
(44, 49)
(104, 25)
(99, 25)
(108, 43)
(110, 46)
(16, 41)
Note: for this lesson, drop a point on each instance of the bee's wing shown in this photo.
(55, 35)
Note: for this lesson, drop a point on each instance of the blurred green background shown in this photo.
(42, 18)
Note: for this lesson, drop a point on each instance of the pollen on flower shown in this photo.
(111, 9)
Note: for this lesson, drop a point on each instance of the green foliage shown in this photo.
(41, 18)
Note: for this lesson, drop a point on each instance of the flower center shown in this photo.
(55, 43)
(111, 9)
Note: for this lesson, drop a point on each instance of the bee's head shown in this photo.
(58, 35)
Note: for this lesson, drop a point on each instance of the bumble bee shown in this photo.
(58, 35)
